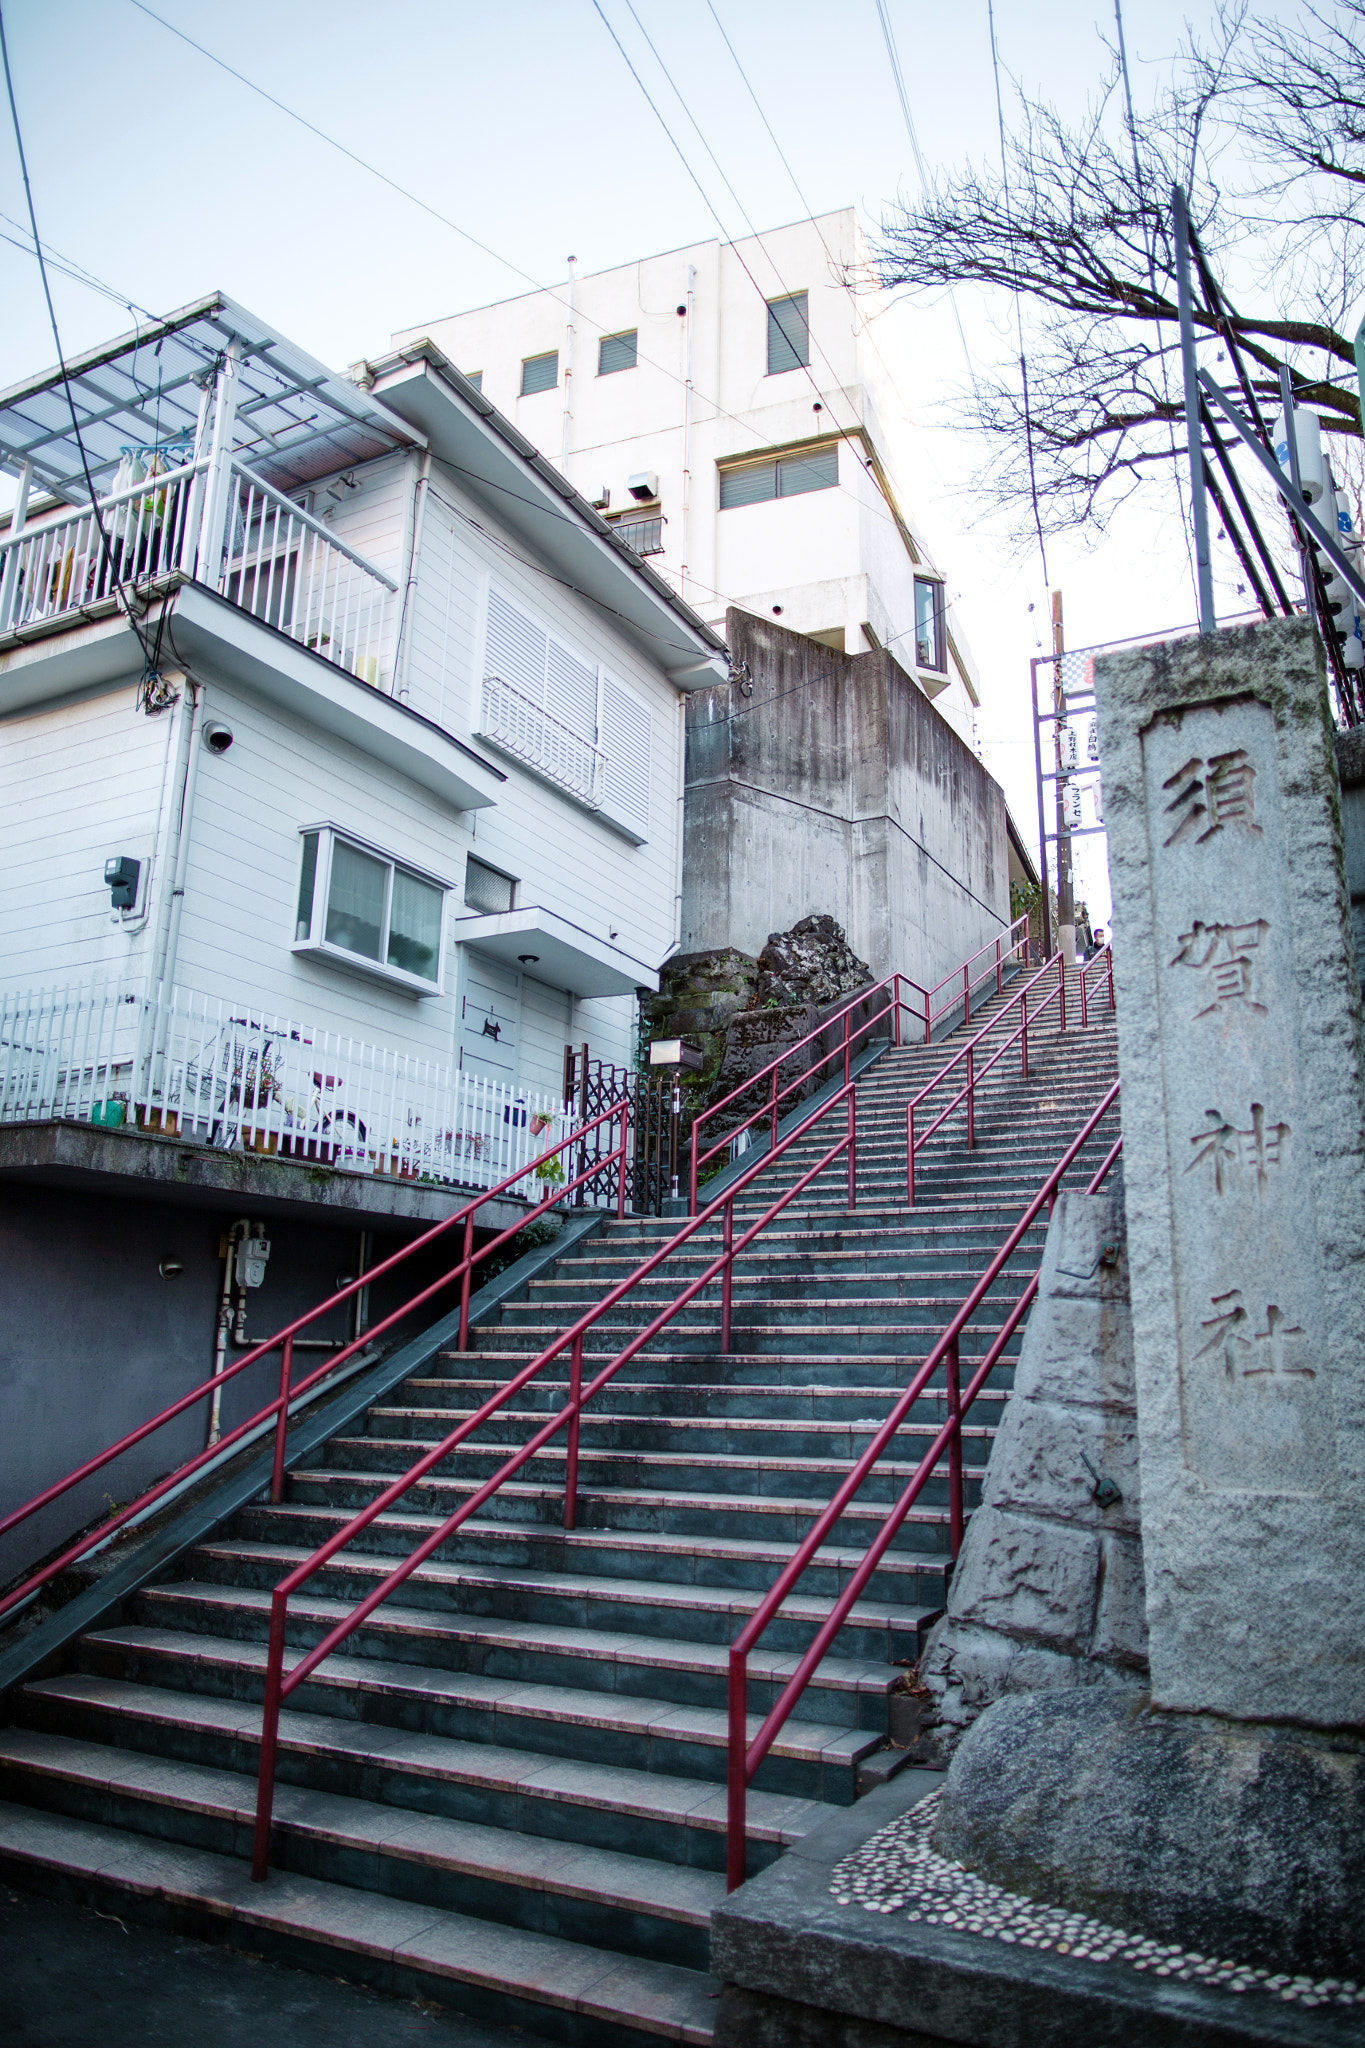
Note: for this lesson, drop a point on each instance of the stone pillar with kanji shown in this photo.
(1243, 1118)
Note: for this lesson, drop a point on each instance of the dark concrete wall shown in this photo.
(93, 1341)
(833, 785)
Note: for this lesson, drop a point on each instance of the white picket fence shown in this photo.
(218, 1073)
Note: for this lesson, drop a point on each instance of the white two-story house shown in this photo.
(341, 766)
(341, 748)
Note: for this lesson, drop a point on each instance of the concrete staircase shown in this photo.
(507, 1795)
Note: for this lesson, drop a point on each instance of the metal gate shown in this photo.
(592, 1085)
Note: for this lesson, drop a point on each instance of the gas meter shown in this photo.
(252, 1254)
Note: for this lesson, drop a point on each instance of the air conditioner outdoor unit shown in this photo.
(600, 498)
(644, 485)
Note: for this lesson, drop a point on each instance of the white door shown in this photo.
(490, 1018)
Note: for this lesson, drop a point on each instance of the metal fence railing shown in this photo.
(215, 1071)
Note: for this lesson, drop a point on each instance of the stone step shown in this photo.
(849, 1691)
(576, 1993)
(805, 1368)
(771, 1518)
(674, 1401)
(809, 1759)
(571, 1599)
(636, 1904)
(635, 1812)
(749, 1437)
(733, 1564)
(713, 1476)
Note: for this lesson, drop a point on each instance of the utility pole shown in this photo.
(1066, 910)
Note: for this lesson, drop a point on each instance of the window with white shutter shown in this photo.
(623, 732)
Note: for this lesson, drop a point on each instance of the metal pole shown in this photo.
(727, 1273)
(1198, 506)
(1066, 908)
(571, 1461)
(1042, 820)
(955, 1515)
(282, 1422)
(1291, 435)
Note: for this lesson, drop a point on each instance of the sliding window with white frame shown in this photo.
(369, 911)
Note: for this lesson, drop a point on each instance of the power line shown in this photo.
(149, 652)
(865, 326)
(69, 267)
(1018, 314)
(282, 106)
(893, 56)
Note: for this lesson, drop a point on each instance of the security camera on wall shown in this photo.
(217, 737)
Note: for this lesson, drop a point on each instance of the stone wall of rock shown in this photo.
(1048, 1590)
(739, 1011)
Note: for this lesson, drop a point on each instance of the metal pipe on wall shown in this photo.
(568, 366)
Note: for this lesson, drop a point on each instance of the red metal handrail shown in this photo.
(950, 980)
(279, 1684)
(745, 1756)
(893, 1008)
(283, 1341)
(967, 1055)
(1105, 958)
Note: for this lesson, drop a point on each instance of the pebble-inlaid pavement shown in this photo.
(898, 1872)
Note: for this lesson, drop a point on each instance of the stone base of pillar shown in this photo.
(1235, 1839)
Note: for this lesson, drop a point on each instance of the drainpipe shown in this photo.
(240, 1229)
(682, 820)
(568, 367)
(419, 520)
(166, 977)
(687, 454)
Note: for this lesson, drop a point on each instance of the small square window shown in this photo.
(360, 908)
(485, 889)
(788, 333)
(929, 634)
(617, 352)
(540, 373)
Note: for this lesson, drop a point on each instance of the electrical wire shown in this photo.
(124, 602)
(893, 57)
(865, 325)
(68, 267)
(718, 410)
(1149, 244)
(1018, 313)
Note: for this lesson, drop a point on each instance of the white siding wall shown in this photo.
(81, 782)
(86, 781)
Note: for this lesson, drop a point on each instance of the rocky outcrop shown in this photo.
(738, 1012)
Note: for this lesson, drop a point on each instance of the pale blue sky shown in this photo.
(166, 178)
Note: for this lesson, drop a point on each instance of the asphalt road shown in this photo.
(74, 1978)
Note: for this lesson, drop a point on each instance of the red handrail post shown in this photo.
(737, 1774)
(999, 983)
(955, 1517)
(928, 1025)
(571, 1461)
(847, 1048)
(464, 1282)
(726, 1273)
(852, 1150)
(966, 995)
(1111, 976)
(772, 1089)
(1061, 983)
(270, 1730)
(910, 1155)
(1084, 1017)
(896, 1008)
(622, 1149)
(971, 1098)
(1023, 1034)
(282, 1421)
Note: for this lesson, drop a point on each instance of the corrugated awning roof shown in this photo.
(296, 420)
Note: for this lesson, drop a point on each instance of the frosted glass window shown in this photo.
(355, 901)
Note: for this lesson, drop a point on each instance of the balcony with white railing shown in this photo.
(203, 442)
(520, 726)
(227, 1076)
